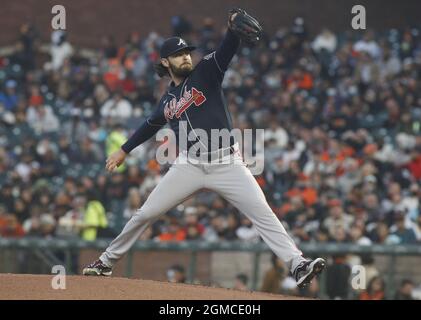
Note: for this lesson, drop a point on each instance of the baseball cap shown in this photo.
(173, 45)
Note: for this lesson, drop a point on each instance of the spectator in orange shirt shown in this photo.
(173, 233)
(375, 290)
(308, 192)
(301, 79)
(9, 225)
(35, 98)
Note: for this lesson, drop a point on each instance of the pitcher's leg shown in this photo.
(236, 184)
(178, 184)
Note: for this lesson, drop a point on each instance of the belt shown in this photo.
(217, 154)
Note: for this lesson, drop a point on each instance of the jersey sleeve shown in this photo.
(226, 51)
(146, 131)
(216, 63)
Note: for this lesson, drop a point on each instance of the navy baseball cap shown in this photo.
(173, 45)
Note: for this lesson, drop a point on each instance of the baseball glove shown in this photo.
(245, 26)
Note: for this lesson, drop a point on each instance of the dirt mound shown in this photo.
(39, 287)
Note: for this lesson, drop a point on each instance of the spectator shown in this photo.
(372, 207)
(368, 44)
(405, 235)
(133, 204)
(60, 49)
(337, 278)
(405, 290)
(70, 225)
(274, 277)
(134, 176)
(50, 164)
(241, 281)
(368, 262)
(117, 108)
(74, 130)
(380, 233)
(62, 204)
(94, 220)
(116, 192)
(390, 65)
(246, 231)
(26, 47)
(21, 210)
(340, 235)
(9, 98)
(299, 29)
(276, 135)
(108, 47)
(6, 197)
(417, 228)
(367, 70)
(337, 218)
(152, 179)
(173, 232)
(193, 228)
(181, 26)
(375, 290)
(229, 232)
(357, 235)
(42, 119)
(214, 231)
(411, 204)
(114, 141)
(176, 274)
(89, 153)
(9, 225)
(326, 40)
(40, 224)
(43, 199)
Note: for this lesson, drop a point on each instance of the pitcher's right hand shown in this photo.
(115, 160)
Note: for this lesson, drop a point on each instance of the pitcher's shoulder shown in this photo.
(209, 66)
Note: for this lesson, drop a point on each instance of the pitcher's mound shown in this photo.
(39, 287)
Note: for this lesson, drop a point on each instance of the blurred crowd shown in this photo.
(337, 282)
(341, 113)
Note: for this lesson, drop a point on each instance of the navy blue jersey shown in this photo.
(198, 102)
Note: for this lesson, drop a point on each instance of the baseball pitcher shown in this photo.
(195, 102)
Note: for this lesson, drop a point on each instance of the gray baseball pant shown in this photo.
(232, 180)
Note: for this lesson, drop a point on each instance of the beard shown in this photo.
(183, 71)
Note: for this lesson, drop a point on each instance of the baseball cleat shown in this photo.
(307, 270)
(97, 268)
